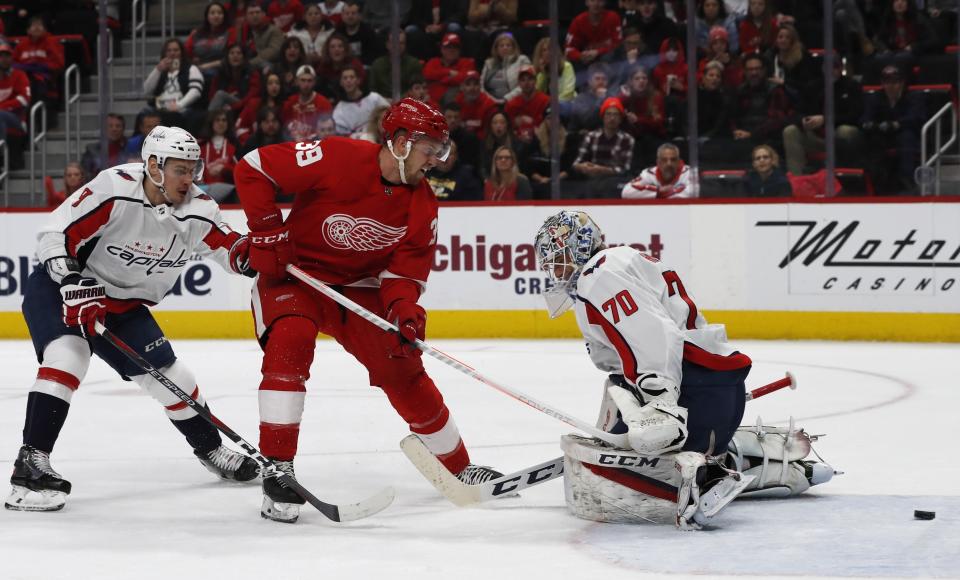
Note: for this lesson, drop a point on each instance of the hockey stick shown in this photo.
(615, 440)
(787, 381)
(462, 494)
(335, 512)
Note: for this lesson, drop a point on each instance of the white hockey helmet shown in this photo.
(172, 143)
(564, 243)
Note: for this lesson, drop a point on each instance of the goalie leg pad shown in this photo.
(776, 458)
(614, 485)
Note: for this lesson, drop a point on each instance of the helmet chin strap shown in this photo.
(400, 160)
(159, 184)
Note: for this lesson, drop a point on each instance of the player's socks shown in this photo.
(46, 415)
(280, 503)
(36, 486)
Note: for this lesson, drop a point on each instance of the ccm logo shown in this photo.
(283, 236)
(155, 344)
(627, 461)
(533, 477)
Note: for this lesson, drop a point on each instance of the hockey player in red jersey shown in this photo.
(111, 249)
(364, 220)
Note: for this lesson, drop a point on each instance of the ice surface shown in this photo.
(143, 507)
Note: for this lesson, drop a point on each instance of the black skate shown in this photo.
(36, 486)
(474, 474)
(227, 464)
(280, 503)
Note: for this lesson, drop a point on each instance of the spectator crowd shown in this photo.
(259, 72)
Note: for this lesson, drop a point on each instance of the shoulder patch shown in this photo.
(124, 175)
(204, 197)
(87, 192)
(593, 268)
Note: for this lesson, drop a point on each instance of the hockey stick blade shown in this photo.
(462, 494)
(337, 513)
(344, 512)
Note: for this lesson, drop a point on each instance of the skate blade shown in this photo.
(286, 513)
(26, 500)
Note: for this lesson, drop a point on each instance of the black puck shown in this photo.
(922, 515)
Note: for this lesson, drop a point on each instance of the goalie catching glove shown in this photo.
(656, 424)
(84, 303)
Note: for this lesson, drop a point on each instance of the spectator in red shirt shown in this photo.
(475, 105)
(41, 57)
(758, 31)
(645, 112)
(285, 13)
(235, 83)
(270, 97)
(528, 109)
(670, 76)
(116, 146)
(14, 101)
(593, 33)
(218, 152)
(73, 178)
(302, 111)
(445, 73)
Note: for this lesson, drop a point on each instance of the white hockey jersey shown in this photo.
(136, 250)
(650, 184)
(637, 318)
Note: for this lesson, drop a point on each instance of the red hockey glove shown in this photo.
(271, 251)
(240, 257)
(411, 320)
(84, 302)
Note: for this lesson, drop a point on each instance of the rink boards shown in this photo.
(877, 270)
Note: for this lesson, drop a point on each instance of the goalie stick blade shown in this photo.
(345, 512)
(461, 494)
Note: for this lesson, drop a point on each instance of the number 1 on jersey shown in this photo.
(675, 286)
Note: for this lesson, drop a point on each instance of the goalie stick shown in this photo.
(615, 440)
(462, 494)
(334, 512)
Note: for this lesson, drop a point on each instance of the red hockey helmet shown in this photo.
(418, 119)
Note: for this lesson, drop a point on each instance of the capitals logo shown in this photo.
(345, 232)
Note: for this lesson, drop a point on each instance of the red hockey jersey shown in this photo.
(350, 226)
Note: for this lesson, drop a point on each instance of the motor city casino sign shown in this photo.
(898, 257)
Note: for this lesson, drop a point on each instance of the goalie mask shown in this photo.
(564, 243)
(170, 143)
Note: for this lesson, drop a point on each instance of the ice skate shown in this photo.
(776, 458)
(280, 503)
(36, 486)
(227, 464)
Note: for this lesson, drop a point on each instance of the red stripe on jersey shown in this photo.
(627, 360)
(182, 404)
(217, 238)
(716, 362)
(635, 481)
(57, 376)
(85, 227)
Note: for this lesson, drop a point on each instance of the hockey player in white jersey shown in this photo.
(675, 387)
(113, 248)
